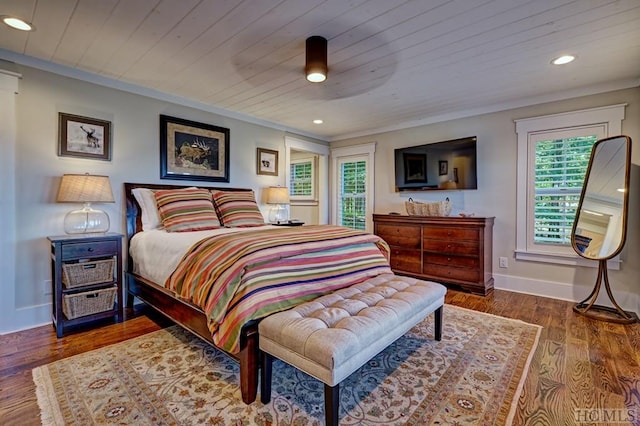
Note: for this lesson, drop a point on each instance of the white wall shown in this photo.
(496, 194)
(135, 158)
(8, 90)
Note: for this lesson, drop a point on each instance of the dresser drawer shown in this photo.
(399, 235)
(451, 233)
(89, 250)
(451, 272)
(451, 247)
(405, 260)
(453, 261)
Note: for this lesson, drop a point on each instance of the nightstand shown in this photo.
(86, 279)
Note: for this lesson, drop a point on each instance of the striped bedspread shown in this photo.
(238, 277)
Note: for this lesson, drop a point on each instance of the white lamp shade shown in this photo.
(277, 195)
(85, 188)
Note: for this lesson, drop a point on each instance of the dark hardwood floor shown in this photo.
(579, 363)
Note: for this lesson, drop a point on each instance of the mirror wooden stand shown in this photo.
(604, 313)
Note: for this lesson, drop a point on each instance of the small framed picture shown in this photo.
(267, 162)
(84, 137)
(444, 167)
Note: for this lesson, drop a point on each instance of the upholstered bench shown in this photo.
(332, 336)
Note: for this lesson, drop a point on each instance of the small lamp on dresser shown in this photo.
(86, 189)
(279, 196)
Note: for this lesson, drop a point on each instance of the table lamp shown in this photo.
(85, 189)
(279, 196)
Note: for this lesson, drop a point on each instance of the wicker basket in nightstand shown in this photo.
(86, 273)
(88, 302)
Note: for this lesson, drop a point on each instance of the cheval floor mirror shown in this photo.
(600, 227)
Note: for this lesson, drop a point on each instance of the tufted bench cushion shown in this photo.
(332, 336)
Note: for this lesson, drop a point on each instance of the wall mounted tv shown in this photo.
(442, 165)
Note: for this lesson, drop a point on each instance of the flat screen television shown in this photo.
(442, 165)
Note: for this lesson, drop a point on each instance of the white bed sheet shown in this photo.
(156, 253)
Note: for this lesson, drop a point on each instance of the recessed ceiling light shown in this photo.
(17, 23)
(564, 59)
(317, 121)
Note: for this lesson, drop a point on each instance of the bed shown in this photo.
(147, 283)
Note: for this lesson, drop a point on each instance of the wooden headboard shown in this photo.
(134, 212)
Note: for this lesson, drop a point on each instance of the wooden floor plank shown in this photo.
(580, 363)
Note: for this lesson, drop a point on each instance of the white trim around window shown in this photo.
(322, 151)
(608, 122)
(363, 151)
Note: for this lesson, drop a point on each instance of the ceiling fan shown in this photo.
(358, 60)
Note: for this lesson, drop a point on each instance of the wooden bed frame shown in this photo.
(186, 315)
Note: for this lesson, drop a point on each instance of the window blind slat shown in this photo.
(559, 171)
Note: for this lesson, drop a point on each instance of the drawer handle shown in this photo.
(448, 259)
(448, 245)
(90, 249)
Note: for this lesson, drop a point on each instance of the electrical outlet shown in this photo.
(47, 288)
(504, 262)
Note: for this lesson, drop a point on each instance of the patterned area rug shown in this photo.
(473, 376)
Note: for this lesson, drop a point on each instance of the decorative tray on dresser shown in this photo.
(450, 250)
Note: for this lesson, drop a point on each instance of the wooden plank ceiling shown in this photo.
(392, 63)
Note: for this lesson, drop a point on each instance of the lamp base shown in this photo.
(86, 220)
(278, 214)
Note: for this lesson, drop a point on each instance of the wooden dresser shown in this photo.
(450, 250)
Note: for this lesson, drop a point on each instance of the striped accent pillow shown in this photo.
(188, 209)
(237, 208)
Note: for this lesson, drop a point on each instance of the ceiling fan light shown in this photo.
(316, 77)
(315, 67)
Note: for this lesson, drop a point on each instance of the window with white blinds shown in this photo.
(553, 157)
(352, 197)
(301, 180)
(560, 167)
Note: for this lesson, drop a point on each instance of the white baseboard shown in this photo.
(25, 318)
(563, 291)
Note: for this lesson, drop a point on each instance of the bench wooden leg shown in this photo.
(265, 378)
(437, 325)
(331, 404)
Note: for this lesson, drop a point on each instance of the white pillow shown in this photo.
(147, 201)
